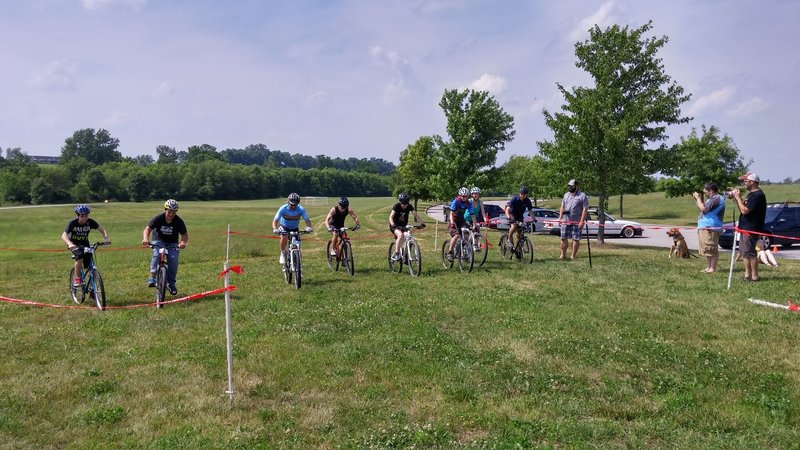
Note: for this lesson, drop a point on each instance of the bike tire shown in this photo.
(481, 249)
(446, 263)
(347, 255)
(161, 286)
(394, 266)
(505, 252)
(527, 250)
(414, 259)
(98, 289)
(78, 294)
(466, 258)
(333, 261)
(297, 269)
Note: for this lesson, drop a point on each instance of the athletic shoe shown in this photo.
(151, 282)
(282, 259)
(173, 290)
(76, 282)
(396, 257)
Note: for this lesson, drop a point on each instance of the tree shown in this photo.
(600, 136)
(415, 169)
(701, 159)
(527, 171)
(199, 153)
(95, 147)
(166, 155)
(478, 128)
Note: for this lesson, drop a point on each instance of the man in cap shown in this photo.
(572, 216)
(751, 222)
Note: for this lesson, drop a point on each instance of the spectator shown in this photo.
(751, 223)
(709, 224)
(575, 206)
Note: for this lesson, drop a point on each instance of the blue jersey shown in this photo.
(288, 218)
(458, 207)
(518, 206)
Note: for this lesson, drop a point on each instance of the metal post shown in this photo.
(228, 333)
(588, 246)
(733, 249)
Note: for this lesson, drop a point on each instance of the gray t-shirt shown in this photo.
(573, 205)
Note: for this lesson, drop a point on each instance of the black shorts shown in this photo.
(394, 227)
(77, 254)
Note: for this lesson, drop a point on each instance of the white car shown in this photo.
(541, 214)
(613, 227)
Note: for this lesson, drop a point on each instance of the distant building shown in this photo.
(44, 159)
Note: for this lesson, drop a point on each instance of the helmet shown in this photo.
(171, 205)
(82, 209)
(294, 199)
(344, 202)
(404, 198)
(523, 190)
(463, 192)
(475, 190)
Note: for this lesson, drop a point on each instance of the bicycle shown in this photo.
(463, 252)
(161, 272)
(292, 261)
(91, 281)
(410, 254)
(343, 252)
(479, 244)
(523, 249)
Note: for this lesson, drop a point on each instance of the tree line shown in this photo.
(92, 169)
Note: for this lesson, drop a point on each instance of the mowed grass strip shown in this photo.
(636, 351)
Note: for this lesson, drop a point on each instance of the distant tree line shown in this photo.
(92, 169)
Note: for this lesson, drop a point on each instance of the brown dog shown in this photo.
(679, 247)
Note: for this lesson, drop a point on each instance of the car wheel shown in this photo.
(628, 232)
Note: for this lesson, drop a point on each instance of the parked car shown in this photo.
(613, 227)
(541, 214)
(783, 219)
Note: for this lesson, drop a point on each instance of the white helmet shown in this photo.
(475, 190)
(463, 192)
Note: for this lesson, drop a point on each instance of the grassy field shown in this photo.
(638, 351)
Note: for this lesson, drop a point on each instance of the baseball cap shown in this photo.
(572, 182)
(750, 176)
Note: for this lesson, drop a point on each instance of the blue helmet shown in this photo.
(82, 209)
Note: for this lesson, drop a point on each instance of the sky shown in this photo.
(363, 78)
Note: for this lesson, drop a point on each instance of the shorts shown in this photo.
(455, 230)
(709, 242)
(570, 231)
(77, 253)
(394, 227)
(747, 245)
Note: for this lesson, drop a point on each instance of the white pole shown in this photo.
(436, 236)
(733, 257)
(766, 303)
(228, 338)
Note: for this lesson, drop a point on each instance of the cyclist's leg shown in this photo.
(154, 264)
(512, 231)
(284, 243)
(454, 235)
(172, 268)
(334, 243)
(398, 243)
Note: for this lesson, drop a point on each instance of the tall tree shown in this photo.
(478, 128)
(166, 154)
(601, 133)
(415, 169)
(199, 153)
(697, 160)
(96, 147)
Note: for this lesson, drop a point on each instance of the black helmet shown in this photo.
(294, 199)
(523, 190)
(404, 198)
(344, 202)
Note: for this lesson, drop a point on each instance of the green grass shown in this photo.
(638, 351)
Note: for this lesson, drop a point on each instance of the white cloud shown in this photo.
(97, 4)
(385, 57)
(712, 100)
(117, 118)
(59, 75)
(163, 90)
(403, 78)
(603, 17)
(749, 107)
(317, 99)
(491, 83)
(394, 92)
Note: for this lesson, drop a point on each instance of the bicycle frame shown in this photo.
(91, 280)
(162, 271)
(292, 265)
(409, 253)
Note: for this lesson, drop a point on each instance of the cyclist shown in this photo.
(169, 231)
(335, 221)
(475, 214)
(76, 236)
(515, 211)
(288, 219)
(398, 218)
(458, 208)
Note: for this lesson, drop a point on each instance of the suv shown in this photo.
(782, 220)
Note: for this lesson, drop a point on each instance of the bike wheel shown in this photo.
(527, 250)
(77, 293)
(481, 249)
(347, 256)
(333, 261)
(414, 259)
(505, 251)
(97, 289)
(297, 269)
(161, 286)
(446, 263)
(463, 255)
(394, 266)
